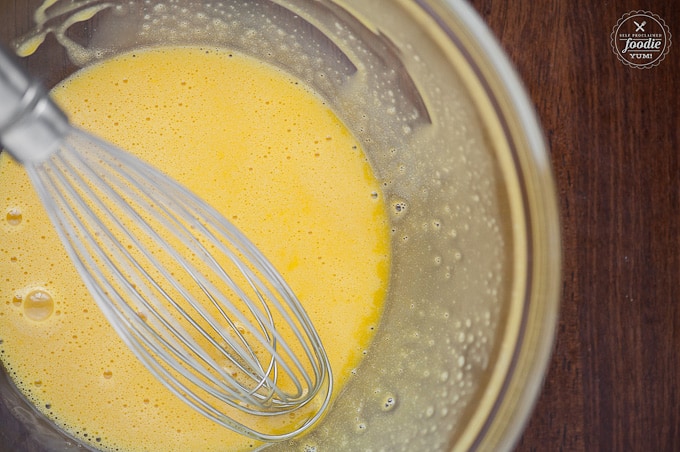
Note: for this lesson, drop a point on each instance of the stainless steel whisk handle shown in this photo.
(32, 126)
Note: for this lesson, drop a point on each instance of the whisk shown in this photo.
(198, 304)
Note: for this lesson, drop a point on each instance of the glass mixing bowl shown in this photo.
(463, 345)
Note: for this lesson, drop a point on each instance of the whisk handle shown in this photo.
(31, 124)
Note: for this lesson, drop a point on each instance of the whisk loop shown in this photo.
(189, 294)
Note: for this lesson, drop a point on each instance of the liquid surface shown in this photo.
(257, 145)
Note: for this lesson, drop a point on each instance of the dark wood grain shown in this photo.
(613, 383)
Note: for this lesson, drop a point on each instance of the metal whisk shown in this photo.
(191, 296)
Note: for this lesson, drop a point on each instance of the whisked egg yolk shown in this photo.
(271, 156)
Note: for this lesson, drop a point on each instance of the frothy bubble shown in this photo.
(14, 216)
(38, 305)
(389, 403)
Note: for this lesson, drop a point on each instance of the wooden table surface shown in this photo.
(614, 380)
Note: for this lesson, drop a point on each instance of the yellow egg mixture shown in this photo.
(261, 148)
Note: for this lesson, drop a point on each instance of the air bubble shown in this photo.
(389, 403)
(38, 305)
(14, 216)
(399, 207)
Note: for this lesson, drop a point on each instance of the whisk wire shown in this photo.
(83, 208)
(242, 268)
(134, 290)
(271, 275)
(113, 265)
(182, 390)
(212, 290)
